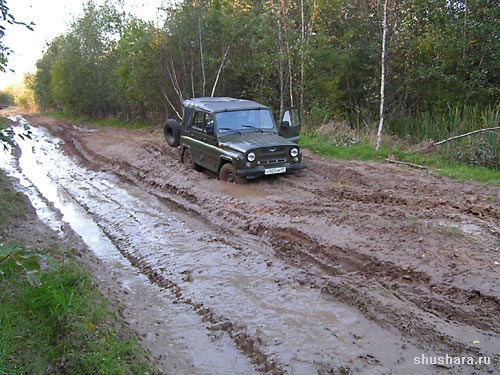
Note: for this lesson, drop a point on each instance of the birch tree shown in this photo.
(382, 78)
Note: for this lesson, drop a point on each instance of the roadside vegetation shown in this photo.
(61, 323)
(475, 157)
(442, 65)
(19, 95)
(432, 161)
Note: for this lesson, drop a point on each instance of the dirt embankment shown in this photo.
(415, 252)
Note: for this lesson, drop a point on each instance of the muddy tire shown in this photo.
(171, 131)
(187, 160)
(227, 173)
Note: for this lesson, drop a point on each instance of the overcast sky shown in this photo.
(52, 17)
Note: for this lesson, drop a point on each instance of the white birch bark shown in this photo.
(382, 80)
(220, 70)
(202, 57)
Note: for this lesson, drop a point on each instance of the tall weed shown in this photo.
(477, 150)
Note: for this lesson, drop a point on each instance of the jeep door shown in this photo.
(290, 125)
(204, 148)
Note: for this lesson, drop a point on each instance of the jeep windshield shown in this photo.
(244, 120)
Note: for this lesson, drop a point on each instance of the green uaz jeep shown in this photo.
(236, 139)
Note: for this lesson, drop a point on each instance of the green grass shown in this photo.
(440, 126)
(367, 152)
(465, 172)
(108, 122)
(63, 326)
(481, 150)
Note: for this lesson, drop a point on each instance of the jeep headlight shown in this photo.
(294, 152)
(251, 156)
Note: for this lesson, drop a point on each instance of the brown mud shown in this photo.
(416, 254)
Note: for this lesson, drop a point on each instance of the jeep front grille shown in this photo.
(265, 162)
(273, 151)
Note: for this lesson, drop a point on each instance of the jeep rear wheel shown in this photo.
(187, 160)
(227, 173)
(171, 131)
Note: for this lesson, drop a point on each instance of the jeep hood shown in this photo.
(252, 140)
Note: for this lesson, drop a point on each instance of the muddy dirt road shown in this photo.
(345, 268)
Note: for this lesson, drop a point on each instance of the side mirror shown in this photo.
(210, 129)
(285, 125)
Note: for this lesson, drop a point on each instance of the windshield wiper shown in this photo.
(253, 127)
(231, 130)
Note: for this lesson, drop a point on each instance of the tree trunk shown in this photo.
(202, 57)
(302, 53)
(281, 58)
(382, 80)
(220, 70)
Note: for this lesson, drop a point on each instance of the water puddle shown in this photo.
(183, 335)
(292, 325)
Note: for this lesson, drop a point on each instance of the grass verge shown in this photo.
(109, 122)
(367, 152)
(63, 326)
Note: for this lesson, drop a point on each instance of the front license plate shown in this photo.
(275, 170)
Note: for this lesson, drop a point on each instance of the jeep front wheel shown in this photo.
(227, 173)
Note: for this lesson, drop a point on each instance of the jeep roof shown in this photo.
(222, 104)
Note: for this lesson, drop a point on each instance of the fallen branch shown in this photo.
(455, 137)
(418, 166)
(466, 135)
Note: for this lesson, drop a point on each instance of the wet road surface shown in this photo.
(201, 305)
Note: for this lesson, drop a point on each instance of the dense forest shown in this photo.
(442, 61)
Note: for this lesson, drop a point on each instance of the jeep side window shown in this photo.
(199, 121)
(203, 122)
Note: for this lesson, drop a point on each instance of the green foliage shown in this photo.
(41, 84)
(76, 74)
(7, 135)
(480, 150)
(322, 55)
(63, 326)
(19, 94)
(7, 17)
(139, 71)
(12, 256)
(6, 98)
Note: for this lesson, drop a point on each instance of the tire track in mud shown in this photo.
(245, 342)
(350, 272)
(487, 213)
(126, 171)
(448, 303)
(248, 344)
(417, 196)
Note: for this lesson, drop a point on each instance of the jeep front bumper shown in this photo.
(261, 171)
